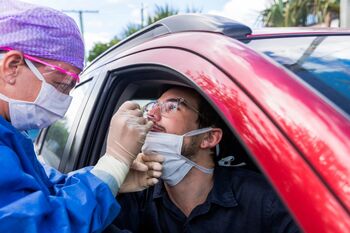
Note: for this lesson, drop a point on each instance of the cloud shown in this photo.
(135, 12)
(115, 1)
(135, 15)
(246, 12)
(92, 38)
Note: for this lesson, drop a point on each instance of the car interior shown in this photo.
(148, 83)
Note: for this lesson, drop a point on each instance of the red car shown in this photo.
(284, 93)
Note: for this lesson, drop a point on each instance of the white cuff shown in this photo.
(111, 171)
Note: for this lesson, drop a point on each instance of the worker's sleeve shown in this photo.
(77, 202)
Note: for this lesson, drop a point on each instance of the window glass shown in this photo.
(142, 102)
(323, 62)
(57, 135)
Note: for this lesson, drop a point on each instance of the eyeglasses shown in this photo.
(67, 81)
(167, 107)
(53, 67)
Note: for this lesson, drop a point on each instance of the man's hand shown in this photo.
(127, 133)
(143, 173)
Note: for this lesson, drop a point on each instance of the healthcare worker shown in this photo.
(41, 54)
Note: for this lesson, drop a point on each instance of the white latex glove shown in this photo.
(143, 173)
(127, 132)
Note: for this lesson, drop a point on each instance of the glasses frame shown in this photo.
(179, 101)
(74, 75)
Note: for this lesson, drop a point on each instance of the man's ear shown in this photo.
(211, 139)
(11, 63)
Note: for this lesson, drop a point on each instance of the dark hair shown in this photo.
(210, 118)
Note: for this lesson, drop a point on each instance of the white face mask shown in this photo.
(49, 106)
(175, 165)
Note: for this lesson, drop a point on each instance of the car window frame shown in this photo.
(41, 140)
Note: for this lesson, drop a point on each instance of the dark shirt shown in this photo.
(240, 201)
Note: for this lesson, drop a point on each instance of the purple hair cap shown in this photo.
(41, 32)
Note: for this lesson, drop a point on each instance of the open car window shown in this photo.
(146, 85)
(57, 134)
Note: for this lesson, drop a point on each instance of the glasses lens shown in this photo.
(148, 107)
(62, 82)
(169, 106)
(165, 108)
(66, 85)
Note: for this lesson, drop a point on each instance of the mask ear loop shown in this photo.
(197, 132)
(217, 149)
(194, 133)
(34, 70)
(201, 131)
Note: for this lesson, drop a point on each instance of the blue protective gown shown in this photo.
(33, 201)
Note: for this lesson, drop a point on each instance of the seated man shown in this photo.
(193, 196)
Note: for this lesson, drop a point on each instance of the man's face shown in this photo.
(180, 120)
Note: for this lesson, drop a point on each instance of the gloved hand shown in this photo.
(127, 132)
(143, 173)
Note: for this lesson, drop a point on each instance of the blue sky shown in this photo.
(114, 15)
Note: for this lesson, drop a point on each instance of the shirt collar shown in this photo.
(221, 193)
(159, 190)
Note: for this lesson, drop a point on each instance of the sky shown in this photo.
(114, 15)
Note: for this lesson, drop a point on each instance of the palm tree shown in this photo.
(161, 12)
(274, 16)
(327, 11)
(130, 29)
(298, 12)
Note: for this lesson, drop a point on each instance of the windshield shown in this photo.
(322, 61)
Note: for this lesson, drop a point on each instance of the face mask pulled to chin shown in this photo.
(175, 165)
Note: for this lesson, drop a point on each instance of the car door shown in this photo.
(264, 142)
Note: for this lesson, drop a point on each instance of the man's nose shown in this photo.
(154, 114)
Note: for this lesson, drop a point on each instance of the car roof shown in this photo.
(183, 23)
(296, 31)
(209, 23)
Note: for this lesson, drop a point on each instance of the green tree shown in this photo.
(130, 29)
(193, 9)
(296, 12)
(57, 137)
(274, 16)
(99, 48)
(326, 10)
(159, 13)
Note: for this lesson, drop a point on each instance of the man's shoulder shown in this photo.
(243, 180)
(238, 172)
